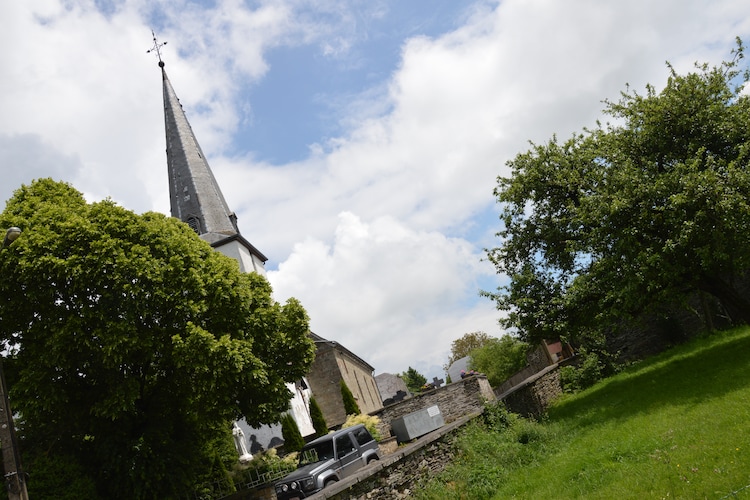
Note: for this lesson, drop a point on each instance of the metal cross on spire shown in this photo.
(156, 48)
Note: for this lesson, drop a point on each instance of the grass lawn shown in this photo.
(674, 426)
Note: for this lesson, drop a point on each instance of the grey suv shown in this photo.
(328, 459)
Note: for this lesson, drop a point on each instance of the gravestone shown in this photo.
(417, 424)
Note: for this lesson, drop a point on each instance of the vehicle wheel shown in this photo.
(371, 460)
(329, 482)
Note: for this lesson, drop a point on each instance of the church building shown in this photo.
(194, 194)
(333, 365)
(197, 200)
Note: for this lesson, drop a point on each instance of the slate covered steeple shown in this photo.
(195, 196)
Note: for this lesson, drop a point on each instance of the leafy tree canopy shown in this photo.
(133, 344)
(499, 358)
(413, 380)
(462, 347)
(633, 214)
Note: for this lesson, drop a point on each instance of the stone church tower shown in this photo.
(194, 194)
(196, 199)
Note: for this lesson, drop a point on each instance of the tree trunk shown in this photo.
(736, 305)
(707, 316)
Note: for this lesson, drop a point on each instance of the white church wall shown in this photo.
(266, 436)
(299, 407)
(269, 436)
(247, 261)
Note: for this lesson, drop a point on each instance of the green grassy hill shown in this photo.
(674, 426)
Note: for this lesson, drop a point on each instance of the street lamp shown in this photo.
(15, 479)
(11, 235)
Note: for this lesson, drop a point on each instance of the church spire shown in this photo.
(194, 194)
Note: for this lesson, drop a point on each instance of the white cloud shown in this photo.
(460, 106)
(376, 231)
(66, 86)
(26, 157)
(392, 294)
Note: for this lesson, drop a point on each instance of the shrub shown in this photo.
(59, 477)
(497, 417)
(350, 404)
(413, 379)
(293, 440)
(318, 420)
(263, 463)
(371, 423)
(592, 367)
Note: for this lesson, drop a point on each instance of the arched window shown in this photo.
(195, 223)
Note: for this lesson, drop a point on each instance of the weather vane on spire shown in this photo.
(156, 48)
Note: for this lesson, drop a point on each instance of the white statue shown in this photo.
(239, 443)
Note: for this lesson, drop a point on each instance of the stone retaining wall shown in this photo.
(517, 378)
(456, 400)
(396, 475)
(532, 397)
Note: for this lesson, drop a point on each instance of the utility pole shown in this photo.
(15, 479)
(14, 476)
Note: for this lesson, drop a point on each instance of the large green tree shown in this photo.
(132, 344)
(499, 358)
(462, 347)
(633, 214)
(413, 379)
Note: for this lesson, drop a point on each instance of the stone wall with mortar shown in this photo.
(396, 475)
(673, 324)
(455, 401)
(332, 365)
(532, 397)
(324, 378)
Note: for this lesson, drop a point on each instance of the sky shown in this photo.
(359, 142)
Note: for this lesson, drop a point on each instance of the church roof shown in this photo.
(237, 237)
(195, 196)
(320, 341)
